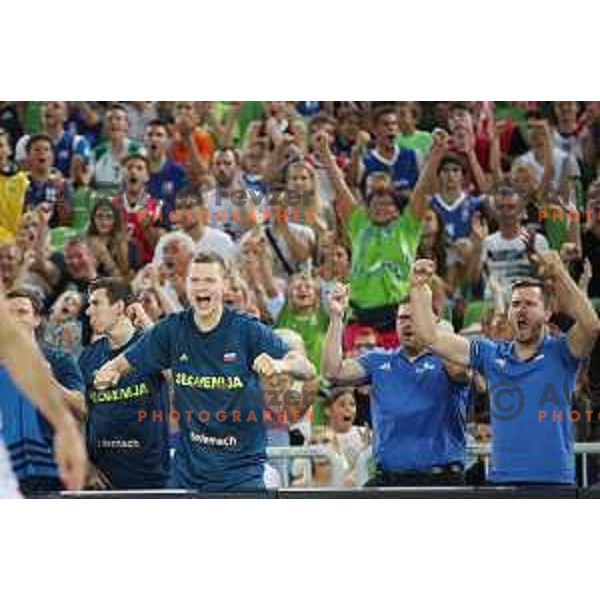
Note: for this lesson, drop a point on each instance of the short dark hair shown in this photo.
(381, 111)
(534, 115)
(459, 105)
(34, 297)
(530, 282)
(209, 258)
(38, 137)
(136, 156)
(451, 159)
(116, 289)
(118, 106)
(157, 123)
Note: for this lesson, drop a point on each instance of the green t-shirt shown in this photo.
(312, 328)
(381, 257)
(556, 228)
(420, 141)
(33, 117)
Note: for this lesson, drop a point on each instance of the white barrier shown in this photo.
(291, 452)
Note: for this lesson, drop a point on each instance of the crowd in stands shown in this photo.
(296, 197)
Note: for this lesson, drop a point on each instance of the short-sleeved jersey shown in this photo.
(68, 145)
(123, 439)
(217, 394)
(381, 257)
(27, 434)
(418, 412)
(457, 216)
(525, 445)
(164, 185)
(403, 168)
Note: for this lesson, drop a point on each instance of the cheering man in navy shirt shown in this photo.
(129, 452)
(418, 403)
(217, 356)
(529, 377)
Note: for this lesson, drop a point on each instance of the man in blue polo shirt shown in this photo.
(129, 452)
(534, 372)
(217, 357)
(418, 403)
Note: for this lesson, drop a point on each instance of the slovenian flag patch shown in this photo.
(229, 357)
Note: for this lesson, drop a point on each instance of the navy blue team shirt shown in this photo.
(27, 434)
(418, 411)
(212, 372)
(130, 449)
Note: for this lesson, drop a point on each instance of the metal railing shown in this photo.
(285, 454)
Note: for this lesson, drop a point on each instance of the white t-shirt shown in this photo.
(507, 258)
(212, 240)
(560, 161)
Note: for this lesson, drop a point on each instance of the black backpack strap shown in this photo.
(286, 265)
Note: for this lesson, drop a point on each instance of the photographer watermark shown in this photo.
(271, 201)
(507, 400)
(505, 200)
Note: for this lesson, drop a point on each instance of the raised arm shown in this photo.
(572, 301)
(345, 198)
(446, 344)
(333, 364)
(427, 178)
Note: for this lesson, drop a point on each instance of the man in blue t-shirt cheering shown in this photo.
(532, 375)
(217, 357)
(418, 403)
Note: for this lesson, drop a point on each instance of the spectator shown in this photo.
(280, 119)
(177, 253)
(191, 219)
(139, 115)
(384, 242)
(387, 156)
(139, 210)
(302, 199)
(457, 210)
(116, 254)
(564, 166)
(71, 152)
(304, 314)
(409, 136)
(568, 131)
(228, 196)
(506, 253)
(47, 187)
(10, 122)
(352, 443)
(108, 156)
(63, 329)
(13, 184)
(192, 147)
(167, 178)
(74, 268)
